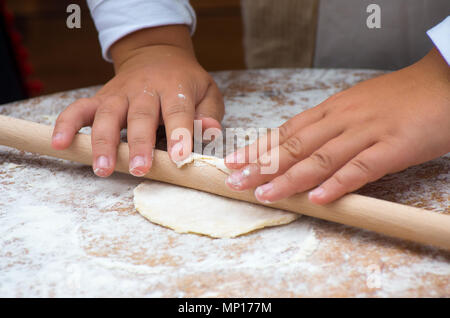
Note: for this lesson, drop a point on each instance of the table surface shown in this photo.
(66, 232)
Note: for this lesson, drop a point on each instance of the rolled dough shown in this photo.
(186, 210)
(191, 211)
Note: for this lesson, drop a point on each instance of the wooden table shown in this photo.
(66, 232)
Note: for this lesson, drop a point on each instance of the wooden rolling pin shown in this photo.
(380, 216)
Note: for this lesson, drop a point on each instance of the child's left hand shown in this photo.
(357, 136)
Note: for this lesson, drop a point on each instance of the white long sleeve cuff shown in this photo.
(115, 19)
(440, 35)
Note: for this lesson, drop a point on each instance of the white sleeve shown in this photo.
(115, 19)
(440, 35)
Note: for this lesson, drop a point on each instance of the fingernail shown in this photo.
(263, 190)
(101, 166)
(175, 152)
(58, 136)
(317, 192)
(137, 165)
(235, 179)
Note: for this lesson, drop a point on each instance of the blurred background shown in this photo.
(40, 55)
(45, 56)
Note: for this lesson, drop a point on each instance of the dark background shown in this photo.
(65, 59)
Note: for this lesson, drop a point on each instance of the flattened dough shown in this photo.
(187, 210)
(191, 211)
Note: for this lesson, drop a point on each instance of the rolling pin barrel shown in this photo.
(380, 216)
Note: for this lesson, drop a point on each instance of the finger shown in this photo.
(368, 166)
(76, 116)
(178, 114)
(142, 123)
(249, 153)
(211, 107)
(312, 171)
(209, 114)
(109, 120)
(279, 159)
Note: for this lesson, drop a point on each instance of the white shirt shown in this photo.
(347, 38)
(115, 19)
(440, 35)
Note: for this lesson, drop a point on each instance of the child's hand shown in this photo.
(377, 127)
(157, 76)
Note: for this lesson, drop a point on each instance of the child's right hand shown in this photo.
(157, 76)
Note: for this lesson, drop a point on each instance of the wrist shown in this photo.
(434, 66)
(175, 36)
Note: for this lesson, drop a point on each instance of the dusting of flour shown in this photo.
(66, 233)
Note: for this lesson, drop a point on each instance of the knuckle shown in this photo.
(104, 141)
(174, 110)
(115, 99)
(139, 114)
(294, 146)
(106, 109)
(284, 131)
(323, 160)
(101, 141)
(137, 141)
(318, 112)
(323, 112)
(352, 108)
(339, 180)
(362, 166)
(111, 105)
